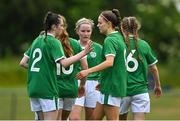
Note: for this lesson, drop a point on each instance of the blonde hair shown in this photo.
(84, 21)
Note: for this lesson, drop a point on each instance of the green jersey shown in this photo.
(114, 79)
(138, 69)
(67, 81)
(94, 58)
(43, 54)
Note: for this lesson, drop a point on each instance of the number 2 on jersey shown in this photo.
(37, 59)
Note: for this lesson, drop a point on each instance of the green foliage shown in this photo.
(160, 27)
(22, 20)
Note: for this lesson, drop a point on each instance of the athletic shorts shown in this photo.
(66, 103)
(108, 99)
(137, 103)
(44, 105)
(91, 95)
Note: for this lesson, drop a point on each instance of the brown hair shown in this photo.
(49, 20)
(130, 26)
(113, 16)
(64, 38)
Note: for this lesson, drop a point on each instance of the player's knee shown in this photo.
(74, 117)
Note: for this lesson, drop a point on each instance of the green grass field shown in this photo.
(14, 104)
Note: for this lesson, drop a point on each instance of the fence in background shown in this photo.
(14, 104)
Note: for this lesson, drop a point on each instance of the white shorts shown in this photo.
(44, 105)
(91, 95)
(108, 99)
(66, 103)
(137, 103)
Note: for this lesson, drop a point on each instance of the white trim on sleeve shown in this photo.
(26, 55)
(153, 63)
(60, 58)
(110, 55)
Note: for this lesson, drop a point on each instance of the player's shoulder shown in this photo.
(143, 42)
(74, 41)
(97, 44)
(38, 39)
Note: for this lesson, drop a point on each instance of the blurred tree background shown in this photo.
(22, 20)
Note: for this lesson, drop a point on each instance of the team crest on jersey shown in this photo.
(93, 54)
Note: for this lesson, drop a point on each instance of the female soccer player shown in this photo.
(84, 29)
(41, 59)
(139, 60)
(67, 82)
(113, 80)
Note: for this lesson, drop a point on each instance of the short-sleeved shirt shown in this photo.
(114, 79)
(67, 81)
(94, 58)
(138, 68)
(43, 55)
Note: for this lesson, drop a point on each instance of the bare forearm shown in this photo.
(84, 64)
(24, 62)
(155, 74)
(156, 78)
(68, 61)
(100, 67)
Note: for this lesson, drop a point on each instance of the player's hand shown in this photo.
(82, 74)
(157, 91)
(88, 48)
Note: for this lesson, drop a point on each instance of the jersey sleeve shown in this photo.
(151, 58)
(27, 53)
(57, 51)
(78, 46)
(109, 48)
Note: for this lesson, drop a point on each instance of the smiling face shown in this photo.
(84, 31)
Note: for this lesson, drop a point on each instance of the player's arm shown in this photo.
(154, 71)
(68, 61)
(107, 63)
(81, 88)
(84, 66)
(24, 62)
